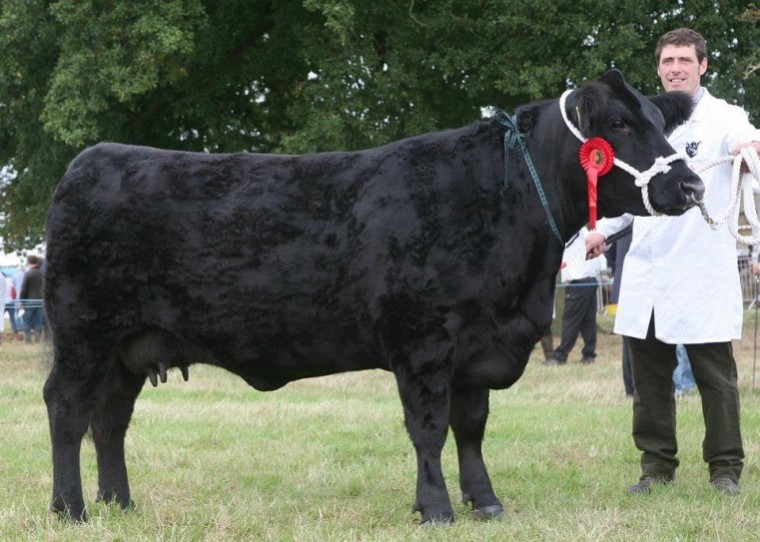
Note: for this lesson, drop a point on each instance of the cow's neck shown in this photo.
(562, 181)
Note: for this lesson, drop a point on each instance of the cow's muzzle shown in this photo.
(693, 190)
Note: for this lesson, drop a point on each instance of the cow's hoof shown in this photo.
(442, 515)
(494, 511)
(76, 514)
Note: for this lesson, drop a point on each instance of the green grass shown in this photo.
(328, 459)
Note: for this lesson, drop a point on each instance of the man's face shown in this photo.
(679, 68)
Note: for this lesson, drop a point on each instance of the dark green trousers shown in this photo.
(654, 406)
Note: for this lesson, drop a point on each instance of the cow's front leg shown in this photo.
(469, 413)
(113, 410)
(425, 393)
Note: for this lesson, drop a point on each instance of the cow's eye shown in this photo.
(617, 124)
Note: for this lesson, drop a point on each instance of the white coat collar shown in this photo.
(703, 106)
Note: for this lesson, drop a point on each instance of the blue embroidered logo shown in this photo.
(691, 148)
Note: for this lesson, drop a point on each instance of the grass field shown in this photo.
(328, 460)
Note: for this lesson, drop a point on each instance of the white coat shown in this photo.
(678, 267)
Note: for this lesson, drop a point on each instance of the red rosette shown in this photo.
(597, 158)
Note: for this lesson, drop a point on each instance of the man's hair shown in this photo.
(31, 259)
(682, 36)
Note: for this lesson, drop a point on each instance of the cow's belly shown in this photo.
(317, 350)
(265, 361)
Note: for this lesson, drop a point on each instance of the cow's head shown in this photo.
(636, 128)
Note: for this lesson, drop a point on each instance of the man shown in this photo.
(579, 276)
(681, 285)
(31, 300)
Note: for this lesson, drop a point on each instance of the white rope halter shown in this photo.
(641, 178)
(740, 183)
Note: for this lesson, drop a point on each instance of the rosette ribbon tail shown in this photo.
(592, 180)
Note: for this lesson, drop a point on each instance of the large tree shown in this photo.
(309, 75)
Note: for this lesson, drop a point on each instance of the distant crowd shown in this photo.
(22, 291)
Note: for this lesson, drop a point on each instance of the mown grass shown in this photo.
(329, 459)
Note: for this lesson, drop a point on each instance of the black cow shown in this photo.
(418, 257)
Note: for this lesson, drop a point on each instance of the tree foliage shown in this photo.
(311, 75)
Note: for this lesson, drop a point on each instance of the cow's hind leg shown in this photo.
(469, 412)
(69, 403)
(426, 396)
(113, 411)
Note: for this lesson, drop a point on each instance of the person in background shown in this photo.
(547, 339)
(547, 344)
(3, 293)
(18, 280)
(615, 256)
(681, 286)
(580, 277)
(31, 300)
(683, 377)
(10, 303)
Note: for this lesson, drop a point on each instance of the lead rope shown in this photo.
(740, 183)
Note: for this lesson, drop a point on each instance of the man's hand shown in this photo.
(595, 245)
(754, 144)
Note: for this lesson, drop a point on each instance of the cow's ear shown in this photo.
(527, 117)
(589, 104)
(676, 107)
(613, 78)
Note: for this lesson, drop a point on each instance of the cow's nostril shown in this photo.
(693, 189)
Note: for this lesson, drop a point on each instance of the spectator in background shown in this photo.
(31, 300)
(683, 378)
(3, 287)
(547, 344)
(615, 256)
(10, 303)
(580, 277)
(18, 280)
